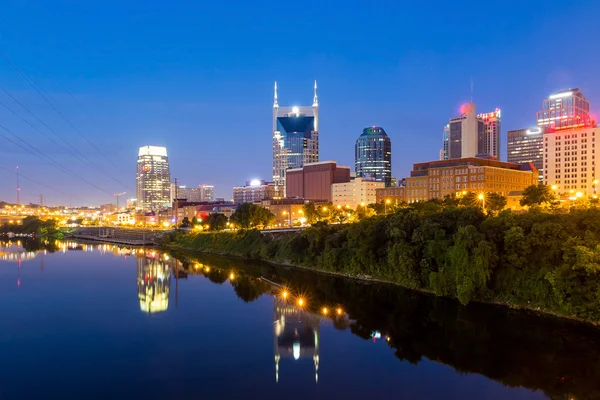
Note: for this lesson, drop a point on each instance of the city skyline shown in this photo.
(180, 101)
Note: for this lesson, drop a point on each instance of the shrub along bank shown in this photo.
(536, 260)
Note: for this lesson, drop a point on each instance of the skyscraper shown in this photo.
(467, 135)
(527, 146)
(492, 132)
(565, 109)
(373, 155)
(295, 137)
(444, 153)
(153, 180)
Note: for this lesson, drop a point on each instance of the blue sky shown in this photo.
(197, 77)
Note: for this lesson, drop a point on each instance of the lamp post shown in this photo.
(290, 219)
(482, 198)
(387, 201)
(595, 184)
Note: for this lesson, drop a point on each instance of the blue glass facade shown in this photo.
(296, 143)
(373, 155)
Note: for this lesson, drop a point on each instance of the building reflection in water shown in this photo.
(153, 282)
(296, 334)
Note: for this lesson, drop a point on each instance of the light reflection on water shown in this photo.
(305, 315)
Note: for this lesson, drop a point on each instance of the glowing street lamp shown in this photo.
(482, 198)
(387, 201)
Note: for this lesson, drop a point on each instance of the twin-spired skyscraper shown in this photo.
(153, 179)
(295, 136)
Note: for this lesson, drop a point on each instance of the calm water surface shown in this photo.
(95, 322)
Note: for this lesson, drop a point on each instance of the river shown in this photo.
(83, 321)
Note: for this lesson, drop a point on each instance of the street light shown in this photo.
(482, 198)
(387, 201)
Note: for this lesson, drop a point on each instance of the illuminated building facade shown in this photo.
(153, 179)
(153, 282)
(295, 137)
(570, 160)
(313, 181)
(395, 194)
(373, 155)
(467, 134)
(436, 179)
(527, 146)
(256, 191)
(359, 191)
(492, 132)
(200, 193)
(296, 334)
(565, 109)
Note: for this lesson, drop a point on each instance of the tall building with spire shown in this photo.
(295, 136)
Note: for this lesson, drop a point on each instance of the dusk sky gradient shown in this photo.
(197, 77)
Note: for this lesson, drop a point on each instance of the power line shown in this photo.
(84, 108)
(46, 158)
(42, 184)
(74, 152)
(37, 89)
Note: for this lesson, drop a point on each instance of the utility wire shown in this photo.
(43, 184)
(71, 150)
(37, 89)
(46, 158)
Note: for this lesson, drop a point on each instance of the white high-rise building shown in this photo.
(153, 179)
(570, 165)
(295, 137)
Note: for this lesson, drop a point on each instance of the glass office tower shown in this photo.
(295, 137)
(373, 155)
(153, 179)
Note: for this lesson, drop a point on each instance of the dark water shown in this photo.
(95, 322)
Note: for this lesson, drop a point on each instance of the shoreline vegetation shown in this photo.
(543, 261)
(556, 356)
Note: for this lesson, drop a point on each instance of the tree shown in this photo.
(537, 195)
(450, 200)
(495, 202)
(470, 200)
(216, 222)
(379, 208)
(185, 223)
(250, 215)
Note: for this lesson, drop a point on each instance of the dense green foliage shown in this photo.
(33, 225)
(216, 222)
(535, 196)
(515, 348)
(250, 215)
(535, 260)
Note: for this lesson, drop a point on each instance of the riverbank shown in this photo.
(538, 261)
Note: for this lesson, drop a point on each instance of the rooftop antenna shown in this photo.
(471, 89)
(315, 100)
(18, 188)
(275, 104)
